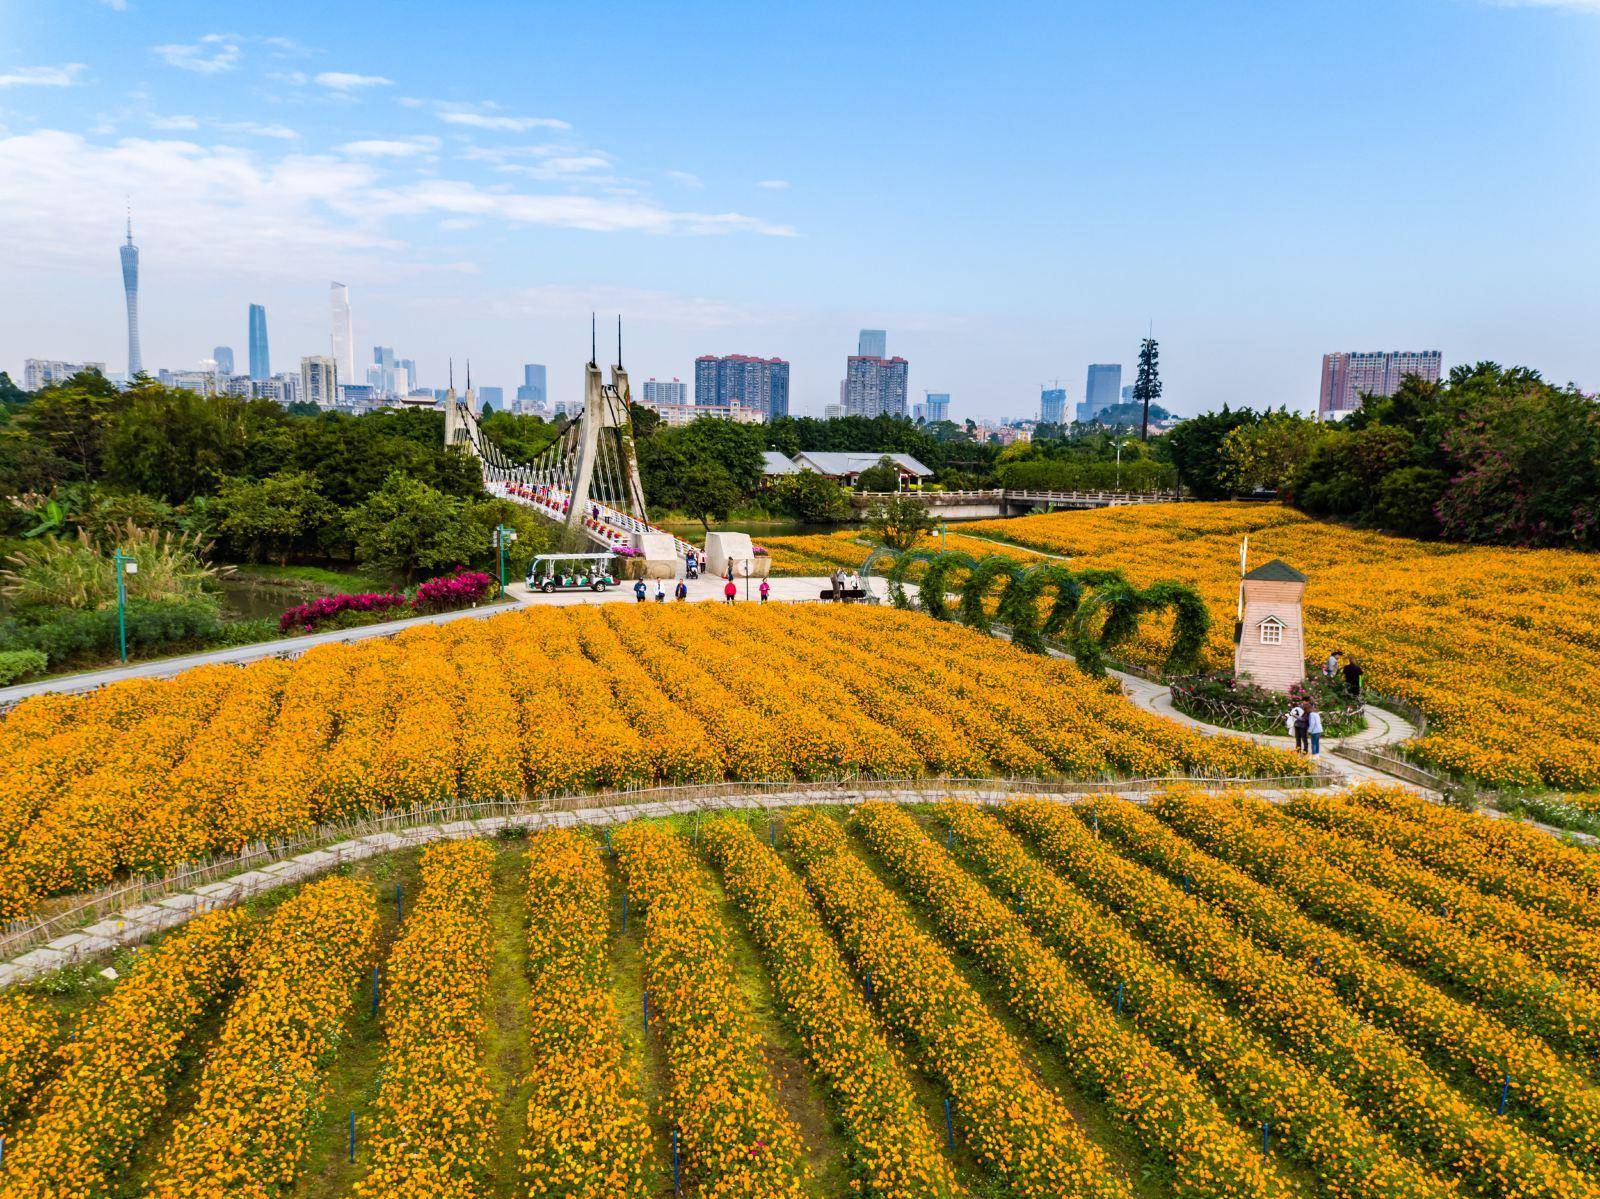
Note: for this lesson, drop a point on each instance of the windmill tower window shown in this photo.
(1272, 631)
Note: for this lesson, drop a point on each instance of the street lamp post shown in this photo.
(124, 566)
(502, 534)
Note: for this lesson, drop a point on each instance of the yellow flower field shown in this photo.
(1210, 996)
(549, 702)
(1500, 647)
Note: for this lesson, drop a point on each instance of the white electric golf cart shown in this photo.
(571, 572)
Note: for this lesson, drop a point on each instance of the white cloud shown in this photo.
(773, 184)
(175, 122)
(210, 211)
(211, 55)
(182, 123)
(410, 147)
(684, 178)
(344, 81)
(503, 124)
(292, 78)
(63, 76)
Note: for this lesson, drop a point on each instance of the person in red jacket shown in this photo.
(729, 591)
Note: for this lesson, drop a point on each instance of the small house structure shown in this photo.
(1271, 649)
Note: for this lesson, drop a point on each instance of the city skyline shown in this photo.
(490, 217)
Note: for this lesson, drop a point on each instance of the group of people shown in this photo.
(730, 591)
(1305, 726)
(1351, 671)
(844, 581)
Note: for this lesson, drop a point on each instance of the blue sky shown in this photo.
(1012, 190)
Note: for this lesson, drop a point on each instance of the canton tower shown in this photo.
(130, 288)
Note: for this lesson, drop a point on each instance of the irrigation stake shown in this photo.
(399, 903)
(1119, 999)
(1266, 1132)
(624, 913)
(352, 1156)
(1505, 1091)
(677, 1172)
(375, 970)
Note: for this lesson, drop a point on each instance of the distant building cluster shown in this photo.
(1346, 377)
(874, 384)
(761, 384)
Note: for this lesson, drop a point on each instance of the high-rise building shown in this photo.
(493, 397)
(532, 396)
(384, 360)
(874, 386)
(832, 411)
(260, 360)
(938, 403)
(664, 391)
(738, 379)
(223, 357)
(1102, 390)
(344, 340)
(408, 365)
(873, 343)
(1052, 405)
(319, 381)
(42, 372)
(1349, 376)
(130, 292)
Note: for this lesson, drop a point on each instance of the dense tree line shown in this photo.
(1490, 454)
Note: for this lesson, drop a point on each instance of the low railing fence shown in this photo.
(20, 936)
(1250, 719)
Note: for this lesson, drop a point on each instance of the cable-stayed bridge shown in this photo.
(587, 479)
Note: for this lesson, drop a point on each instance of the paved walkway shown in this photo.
(1384, 728)
(133, 925)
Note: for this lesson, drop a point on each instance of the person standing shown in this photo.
(1302, 728)
(681, 591)
(1330, 668)
(1314, 729)
(661, 592)
(766, 589)
(638, 591)
(1289, 717)
(729, 591)
(1352, 677)
(1292, 721)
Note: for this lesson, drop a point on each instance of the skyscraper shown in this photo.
(384, 360)
(223, 357)
(344, 340)
(1102, 390)
(260, 360)
(1349, 376)
(873, 343)
(130, 290)
(938, 403)
(1052, 405)
(759, 383)
(533, 394)
(874, 386)
(319, 381)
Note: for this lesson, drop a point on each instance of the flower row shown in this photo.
(1279, 970)
(552, 701)
(117, 1076)
(265, 1074)
(31, 1037)
(1560, 945)
(1016, 1126)
(736, 1138)
(1166, 1107)
(1247, 834)
(892, 1145)
(588, 1137)
(1314, 1121)
(435, 1110)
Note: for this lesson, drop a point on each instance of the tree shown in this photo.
(10, 394)
(175, 443)
(882, 476)
(407, 525)
(708, 493)
(1147, 384)
(1195, 448)
(1267, 455)
(62, 431)
(811, 497)
(256, 517)
(900, 523)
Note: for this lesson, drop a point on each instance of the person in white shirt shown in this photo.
(1292, 720)
(1314, 729)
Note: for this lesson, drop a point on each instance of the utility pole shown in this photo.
(124, 566)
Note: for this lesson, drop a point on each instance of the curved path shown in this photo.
(130, 925)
